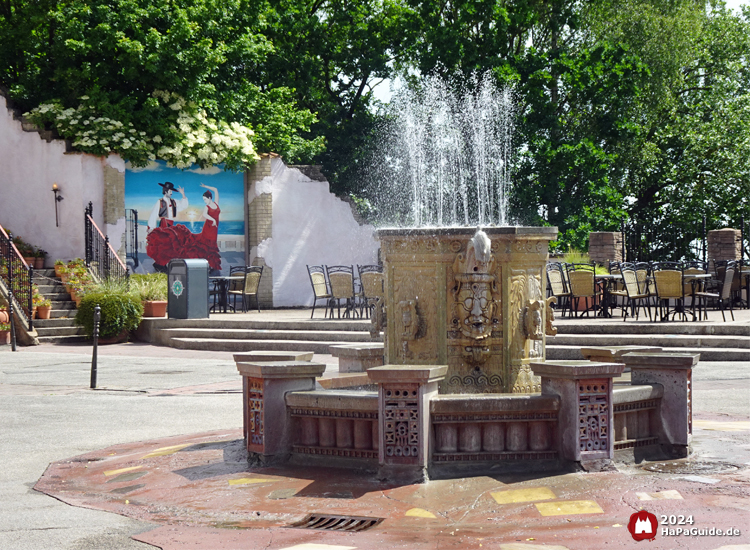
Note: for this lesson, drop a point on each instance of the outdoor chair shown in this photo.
(669, 288)
(321, 290)
(636, 295)
(724, 297)
(341, 279)
(583, 287)
(371, 283)
(556, 286)
(246, 288)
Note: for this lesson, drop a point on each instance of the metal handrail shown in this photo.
(101, 259)
(131, 235)
(16, 276)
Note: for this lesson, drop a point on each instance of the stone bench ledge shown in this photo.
(334, 400)
(631, 394)
(462, 404)
(251, 356)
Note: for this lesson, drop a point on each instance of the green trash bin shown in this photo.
(188, 289)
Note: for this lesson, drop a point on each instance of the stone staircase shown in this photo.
(240, 335)
(715, 342)
(60, 327)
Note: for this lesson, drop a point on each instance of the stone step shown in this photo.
(55, 322)
(237, 345)
(215, 323)
(72, 339)
(629, 327)
(265, 334)
(58, 331)
(661, 340)
(559, 353)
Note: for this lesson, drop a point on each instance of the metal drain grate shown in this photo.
(336, 523)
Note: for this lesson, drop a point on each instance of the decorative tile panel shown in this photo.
(255, 414)
(401, 431)
(593, 415)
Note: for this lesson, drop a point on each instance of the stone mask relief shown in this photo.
(476, 296)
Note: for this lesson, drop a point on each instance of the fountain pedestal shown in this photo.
(472, 302)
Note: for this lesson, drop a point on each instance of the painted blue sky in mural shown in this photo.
(142, 191)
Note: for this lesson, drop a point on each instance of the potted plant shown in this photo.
(4, 333)
(44, 309)
(121, 312)
(39, 258)
(59, 267)
(151, 290)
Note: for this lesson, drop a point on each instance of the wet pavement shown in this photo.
(155, 457)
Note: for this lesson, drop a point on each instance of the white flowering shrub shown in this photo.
(184, 135)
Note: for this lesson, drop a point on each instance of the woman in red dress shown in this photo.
(177, 241)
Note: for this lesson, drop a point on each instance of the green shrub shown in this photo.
(119, 311)
(149, 286)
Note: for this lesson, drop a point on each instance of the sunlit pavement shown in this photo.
(159, 444)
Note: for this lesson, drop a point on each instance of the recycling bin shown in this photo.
(188, 288)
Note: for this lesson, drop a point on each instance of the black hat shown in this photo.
(168, 186)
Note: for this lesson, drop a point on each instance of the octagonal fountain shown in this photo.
(465, 386)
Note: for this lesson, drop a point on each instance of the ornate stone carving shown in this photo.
(401, 433)
(415, 314)
(378, 320)
(476, 295)
(593, 415)
(532, 321)
(549, 329)
(255, 414)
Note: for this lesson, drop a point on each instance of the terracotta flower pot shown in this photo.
(117, 339)
(4, 316)
(43, 312)
(29, 260)
(39, 262)
(155, 308)
(58, 270)
(4, 337)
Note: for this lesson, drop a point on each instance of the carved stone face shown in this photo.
(474, 309)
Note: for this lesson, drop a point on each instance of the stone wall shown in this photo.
(32, 161)
(724, 244)
(605, 247)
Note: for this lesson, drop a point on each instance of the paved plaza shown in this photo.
(153, 458)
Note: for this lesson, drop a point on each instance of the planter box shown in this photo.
(155, 308)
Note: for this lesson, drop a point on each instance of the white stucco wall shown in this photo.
(29, 165)
(310, 226)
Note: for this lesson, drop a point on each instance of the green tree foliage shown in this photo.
(117, 54)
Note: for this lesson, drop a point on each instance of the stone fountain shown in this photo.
(465, 386)
(470, 299)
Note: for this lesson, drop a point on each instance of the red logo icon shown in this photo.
(643, 526)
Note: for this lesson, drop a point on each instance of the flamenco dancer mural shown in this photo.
(188, 219)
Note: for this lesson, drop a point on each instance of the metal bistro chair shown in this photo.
(724, 297)
(669, 288)
(341, 278)
(636, 294)
(321, 290)
(583, 286)
(371, 281)
(557, 287)
(247, 288)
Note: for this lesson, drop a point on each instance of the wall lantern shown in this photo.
(58, 198)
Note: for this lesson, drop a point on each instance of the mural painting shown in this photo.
(193, 213)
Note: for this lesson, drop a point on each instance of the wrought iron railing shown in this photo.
(643, 242)
(16, 276)
(131, 236)
(101, 259)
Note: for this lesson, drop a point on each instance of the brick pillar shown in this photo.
(259, 227)
(267, 426)
(605, 247)
(404, 393)
(586, 418)
(674, 373)
(724, 244)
